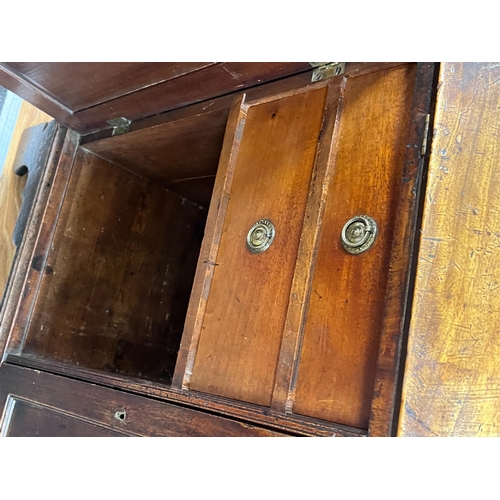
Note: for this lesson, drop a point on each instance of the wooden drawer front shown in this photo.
(110, 280)
(40, 404)
(26, 419)
(341, 337)
(243, 323)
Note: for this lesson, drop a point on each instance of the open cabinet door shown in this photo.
(249, 256)
(36, 158)
(321, 172)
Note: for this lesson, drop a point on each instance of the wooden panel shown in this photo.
(211, 82)
(260, 415)
(244, 318)
(181, 155)
(302, 276)
(41, 227)
(335, 377)
(80, 85)
(452, 377)
(399, 292)
(352, 70)
(30, 420)
(117, 279)
(210, 244)
(11, 188)
(98, 407)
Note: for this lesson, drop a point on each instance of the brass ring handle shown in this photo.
(260, 236)
(358, 234)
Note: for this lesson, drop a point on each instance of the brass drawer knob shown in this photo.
(358, 234)
(260, 236)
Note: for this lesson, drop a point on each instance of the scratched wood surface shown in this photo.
(11, 189)
(244, 318)
(118, 275)
(341, 333)
(452, 378)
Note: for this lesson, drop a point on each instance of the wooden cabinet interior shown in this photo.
(116, 278)
(141, 273)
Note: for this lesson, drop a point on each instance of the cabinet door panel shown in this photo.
(341, 336)
(244, 319)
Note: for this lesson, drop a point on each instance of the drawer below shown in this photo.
(41, 404)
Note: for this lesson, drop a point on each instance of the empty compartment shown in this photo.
(119, 270)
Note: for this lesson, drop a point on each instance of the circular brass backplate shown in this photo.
(260, 236)
(358, 234)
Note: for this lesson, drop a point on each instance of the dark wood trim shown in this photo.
(40, 236)
(390, 362)
(22, 261)
(95, 405)
(355, 69)
(304, 270)
(294, 424)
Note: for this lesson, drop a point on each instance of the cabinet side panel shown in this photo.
(339, 352)
(243, 325)
(48, 401)
(452, 378)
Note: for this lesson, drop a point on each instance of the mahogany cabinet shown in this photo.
(238, 264)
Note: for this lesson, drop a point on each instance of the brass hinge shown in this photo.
(120, 125)
(425, 139)
(324, 70)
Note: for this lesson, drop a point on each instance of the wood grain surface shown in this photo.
(452, 377)
(117, 279)
(244, 318)
(231, 408)
(56, 402)
(81, 85)
(339, 350)
(28, 419)
(181, 155)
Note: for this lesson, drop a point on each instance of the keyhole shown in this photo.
(121, 415)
